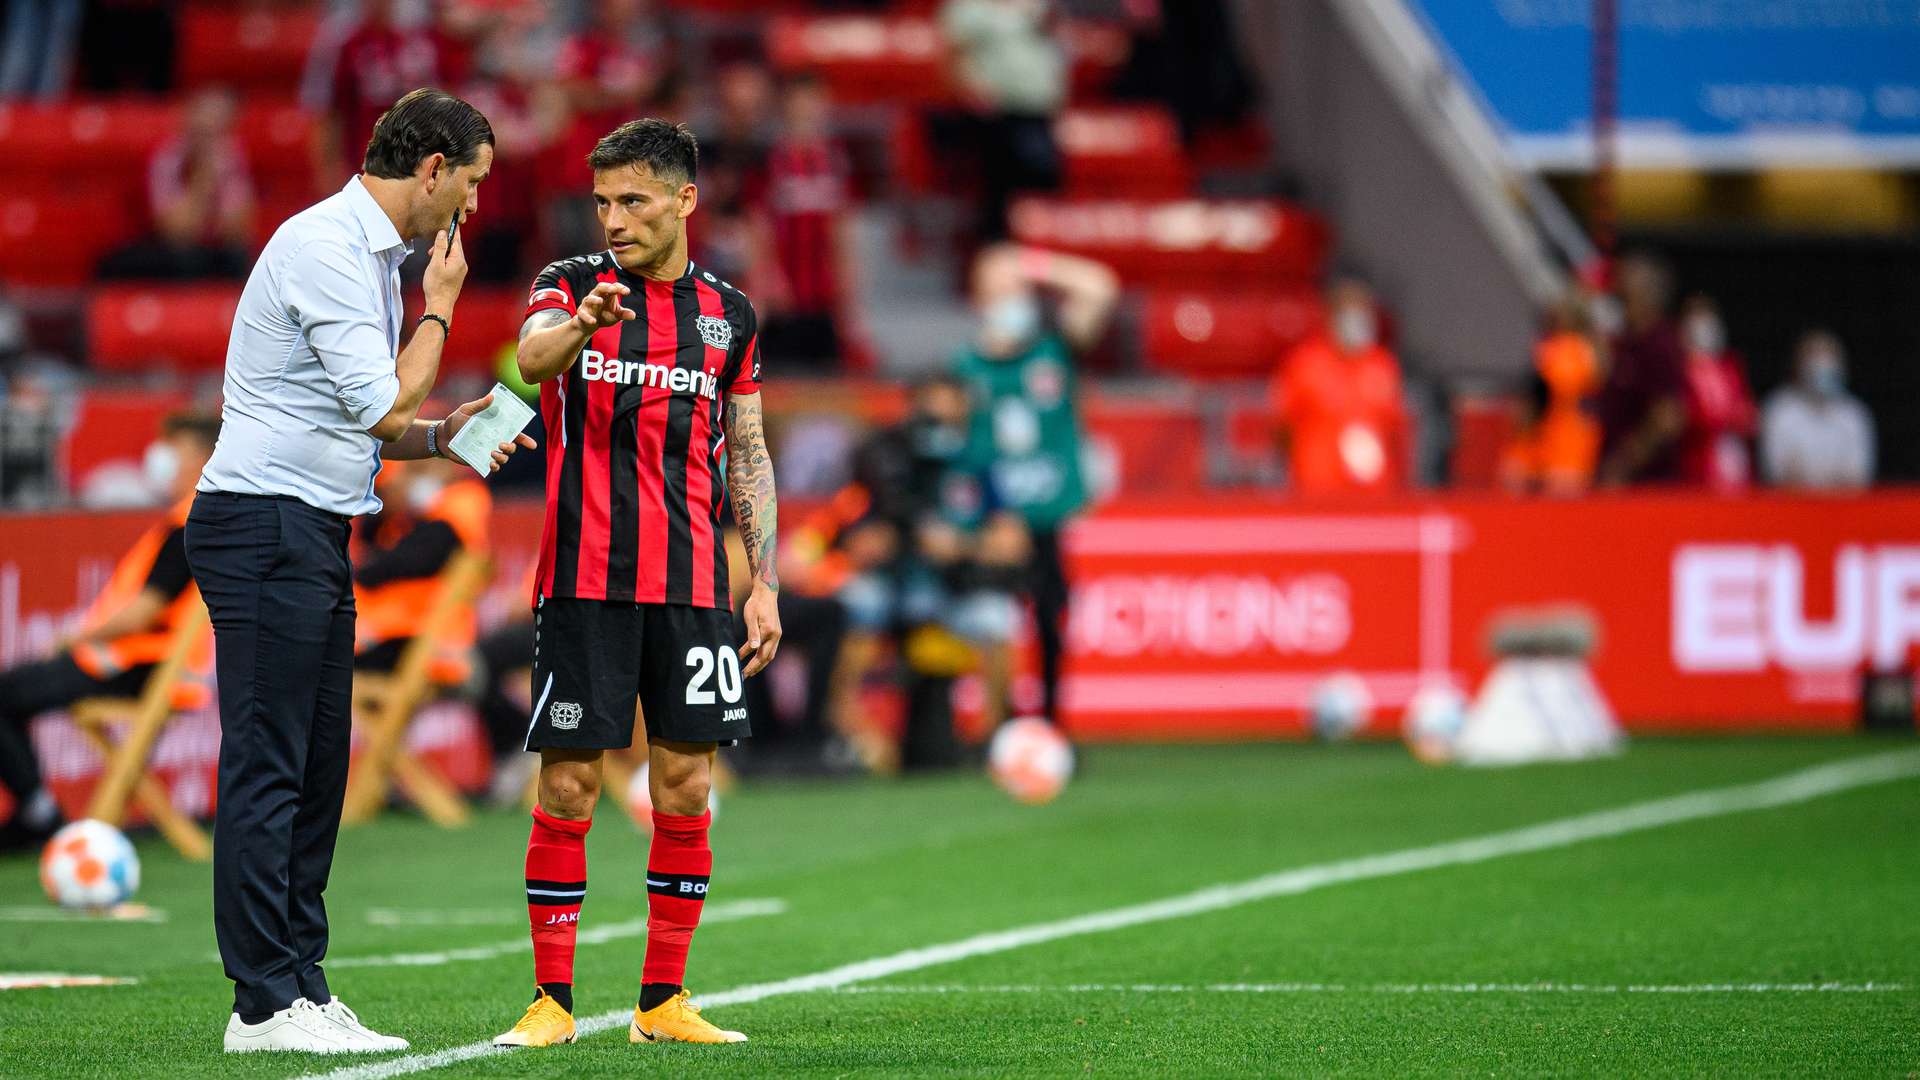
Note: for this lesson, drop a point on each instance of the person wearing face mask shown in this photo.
(126, 632)
(1024, 438)
(1337, 399)
(432, 511)
(1814, 435)
(1716, 450)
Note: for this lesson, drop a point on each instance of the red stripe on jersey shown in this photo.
(553, 413)
(596, 440)
(700, 461)
(663, 348)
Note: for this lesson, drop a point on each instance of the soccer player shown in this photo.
(650, 374)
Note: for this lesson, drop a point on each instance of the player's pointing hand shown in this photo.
(602, 308)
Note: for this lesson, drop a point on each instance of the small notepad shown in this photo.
(499, 422)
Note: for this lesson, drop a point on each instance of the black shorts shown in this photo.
(593, 660)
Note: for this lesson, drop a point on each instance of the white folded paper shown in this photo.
(480, 436)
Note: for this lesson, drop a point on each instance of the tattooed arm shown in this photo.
(549, 340)
(755, 510)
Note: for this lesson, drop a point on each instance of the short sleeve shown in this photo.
(169, 575)
(325, 289)
(746, 378)
(552, 291)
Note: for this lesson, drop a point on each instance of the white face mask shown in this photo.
(422, 491)
(1826, 375)
(1705, 335)
(1604, 311)
(1353, 328)
(160, 466)
(1016, 318)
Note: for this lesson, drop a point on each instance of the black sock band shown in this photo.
(654, 995)
(560, 992)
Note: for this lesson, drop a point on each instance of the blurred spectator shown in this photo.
(797, 726)
(127, 45)
(36, 47)
(807, 197)
(1190, 61)
(128, 630)
(1814, 434)
(434, 509)
(1557, 447)
(1716, 450)
(728, 237)
(1025, 435)
(1643, 409)
(200, 197)
(359, 68)
(1012, 76)
(1338, 402)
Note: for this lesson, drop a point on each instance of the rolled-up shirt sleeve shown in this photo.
(342, 316)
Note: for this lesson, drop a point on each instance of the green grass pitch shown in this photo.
(1683, 949)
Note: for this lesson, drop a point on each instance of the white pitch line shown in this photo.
(490, 916)
(1794, 787)
(43, 980)
(1394, 988)
(47, 913)
(728, 911)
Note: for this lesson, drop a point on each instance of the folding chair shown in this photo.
(126, 773)
(386, 704)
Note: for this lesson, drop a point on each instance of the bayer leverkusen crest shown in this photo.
(715, 331)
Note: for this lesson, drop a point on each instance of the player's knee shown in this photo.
(683, 784)
(568, 790)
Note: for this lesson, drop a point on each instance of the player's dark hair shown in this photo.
(424, 122)
(202, 426)
(669, 150)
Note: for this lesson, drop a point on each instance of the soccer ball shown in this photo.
(89, 864)
(1433, 721)
(1341, 706)
(640, 800)
(1030, 760)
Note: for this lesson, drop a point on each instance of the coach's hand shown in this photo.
(446, 272)
(762, 614)
(458, 419)
(602, 308)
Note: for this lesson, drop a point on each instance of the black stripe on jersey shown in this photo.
(573, 417)
(692, 352)
(623, 469)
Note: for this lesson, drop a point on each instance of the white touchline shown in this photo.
(1794, 787)
(41, 980)
(47, 913)
(727, 911)
(1393, 988)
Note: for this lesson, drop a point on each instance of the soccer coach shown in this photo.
(314, 398)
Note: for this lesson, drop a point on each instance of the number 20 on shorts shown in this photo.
(706, 663)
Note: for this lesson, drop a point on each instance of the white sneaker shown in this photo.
(345, 1019)
(299, 1026)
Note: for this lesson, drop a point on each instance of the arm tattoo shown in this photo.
(541, 320)
(750, 484)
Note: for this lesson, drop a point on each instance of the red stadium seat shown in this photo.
(1172, 242)
(73, 136)
(56, 239)
(864, 58)
(278, 137)
(249, 48)
(1131, 152)
(1227, 334)
(133, 327)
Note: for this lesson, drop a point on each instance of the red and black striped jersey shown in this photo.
(635, 438)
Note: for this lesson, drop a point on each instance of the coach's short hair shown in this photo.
(425, 121)
(670, 150)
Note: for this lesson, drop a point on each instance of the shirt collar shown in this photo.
(381, 235)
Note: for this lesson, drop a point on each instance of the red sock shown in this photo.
(556, 885)
(678, 866)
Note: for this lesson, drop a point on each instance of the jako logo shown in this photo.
(733, 714)
(1741, 607)
(595, 367)
(563, 917)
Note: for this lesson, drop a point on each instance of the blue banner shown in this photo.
(1701, 82)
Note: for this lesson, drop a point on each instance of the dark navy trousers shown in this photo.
(277, 581)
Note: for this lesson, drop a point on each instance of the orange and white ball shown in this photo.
(1030, 760)
(89, 864)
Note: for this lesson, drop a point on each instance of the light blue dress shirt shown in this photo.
(310, 364)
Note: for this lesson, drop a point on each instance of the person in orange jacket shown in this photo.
(1337, 402)
(129, 629)
(434, 510)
